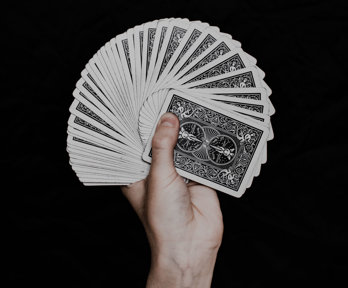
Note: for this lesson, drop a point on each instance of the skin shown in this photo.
(183, 222)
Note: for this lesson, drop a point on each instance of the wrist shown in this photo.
(180, 268)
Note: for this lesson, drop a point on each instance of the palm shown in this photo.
(206, 213)
(183, 213)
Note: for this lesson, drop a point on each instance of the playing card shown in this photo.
(178, 40)
(243, 93)
(206, 40)
(230, 62)
(243, 78)
(215, 147)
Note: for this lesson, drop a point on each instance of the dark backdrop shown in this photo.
(288, 229)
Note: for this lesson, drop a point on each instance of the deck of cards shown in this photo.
(188, 68)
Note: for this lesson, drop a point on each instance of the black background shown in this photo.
(288, 229)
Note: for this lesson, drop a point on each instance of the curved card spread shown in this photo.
(185, 67)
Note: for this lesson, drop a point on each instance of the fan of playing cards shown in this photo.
(171, 65)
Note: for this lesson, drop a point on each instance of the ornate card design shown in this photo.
(211, 145)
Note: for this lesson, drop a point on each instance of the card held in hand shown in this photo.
(215, 147)
(185, 67)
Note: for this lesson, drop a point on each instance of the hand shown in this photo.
(183, 222)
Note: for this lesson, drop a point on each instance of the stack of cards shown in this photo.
(171, 65)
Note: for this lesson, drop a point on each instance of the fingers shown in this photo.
(163, 143)
(135, 193)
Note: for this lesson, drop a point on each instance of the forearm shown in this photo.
(180, 271)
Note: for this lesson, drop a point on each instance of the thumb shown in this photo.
(163, 143)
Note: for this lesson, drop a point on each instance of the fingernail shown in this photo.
(167, 121)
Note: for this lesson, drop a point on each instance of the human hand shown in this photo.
(183, 222)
